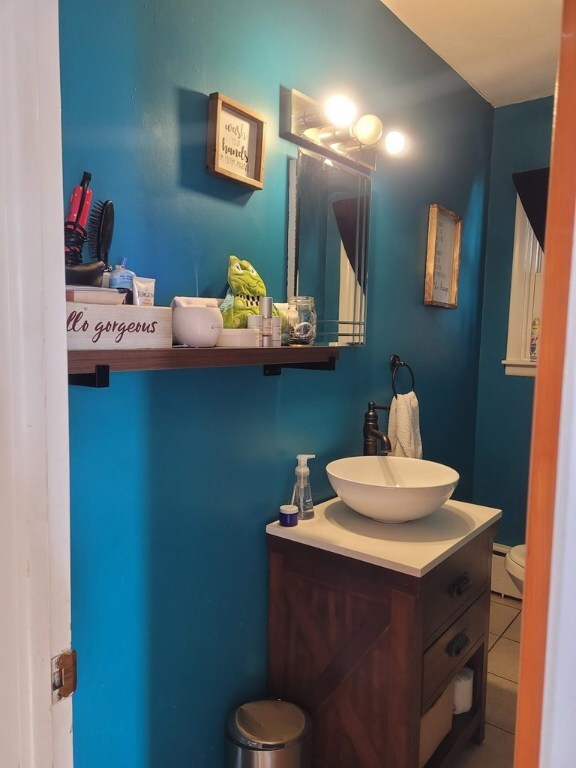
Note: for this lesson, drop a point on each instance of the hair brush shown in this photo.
(100, 230)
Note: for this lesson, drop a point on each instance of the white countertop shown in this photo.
(413, 548)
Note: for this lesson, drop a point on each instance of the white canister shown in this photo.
(196, 326)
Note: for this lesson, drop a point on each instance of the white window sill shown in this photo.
(519, 367)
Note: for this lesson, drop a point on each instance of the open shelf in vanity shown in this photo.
(367, 649)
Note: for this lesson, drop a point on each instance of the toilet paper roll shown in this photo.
(463, 690)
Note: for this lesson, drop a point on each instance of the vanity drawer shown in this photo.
(453, 648)
(456, 583)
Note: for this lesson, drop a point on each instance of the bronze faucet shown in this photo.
(372, 433)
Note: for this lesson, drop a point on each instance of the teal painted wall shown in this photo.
(175, 474)
(522, 136)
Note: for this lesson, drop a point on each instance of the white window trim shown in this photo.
(526, 263)
(519, 367)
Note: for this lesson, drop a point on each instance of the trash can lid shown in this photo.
(268, 724)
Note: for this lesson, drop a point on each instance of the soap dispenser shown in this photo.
(302, 494)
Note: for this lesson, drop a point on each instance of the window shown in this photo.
(525, 299)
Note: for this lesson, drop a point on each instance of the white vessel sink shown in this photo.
(392, 489)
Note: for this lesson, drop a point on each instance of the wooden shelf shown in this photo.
(84, 366)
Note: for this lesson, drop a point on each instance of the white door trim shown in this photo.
(34, 471)
(559, 703)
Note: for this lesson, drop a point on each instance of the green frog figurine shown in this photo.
(245, 286)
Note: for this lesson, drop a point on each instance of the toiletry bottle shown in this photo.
(276, 331)
(266, 313)
(121, 278)
(302, 494)
(288, 515)
(255, 321)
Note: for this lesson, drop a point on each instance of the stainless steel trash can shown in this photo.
(268, 734)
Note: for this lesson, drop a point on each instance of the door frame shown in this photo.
(34, 474)
(546, 708)
(34, 468)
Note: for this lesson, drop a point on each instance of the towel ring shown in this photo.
(395, 364)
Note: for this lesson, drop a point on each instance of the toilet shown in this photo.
(515, 564)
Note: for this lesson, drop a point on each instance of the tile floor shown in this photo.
(497, 751)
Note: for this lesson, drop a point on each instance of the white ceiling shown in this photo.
(507, 50)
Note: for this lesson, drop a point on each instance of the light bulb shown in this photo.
(367, 130)
(340, 111)
(394, 142)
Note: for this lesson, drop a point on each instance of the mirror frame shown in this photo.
(345, 330)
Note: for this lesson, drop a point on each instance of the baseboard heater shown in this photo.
(502, 584)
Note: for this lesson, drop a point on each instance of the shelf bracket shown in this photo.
(100, 378)
(276, 369)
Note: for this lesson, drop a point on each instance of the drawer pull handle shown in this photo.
(460, 586)
(458, 644)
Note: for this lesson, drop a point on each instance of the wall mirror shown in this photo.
(328, 221)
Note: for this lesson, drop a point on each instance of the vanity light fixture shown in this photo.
(368, 130)
(340, 111)
(332, 131)
(394, 142)
(365, 132)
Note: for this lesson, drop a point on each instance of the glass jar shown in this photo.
(301, 317)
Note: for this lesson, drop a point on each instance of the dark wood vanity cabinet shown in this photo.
(367, 650)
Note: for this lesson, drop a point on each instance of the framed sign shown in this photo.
(235, 146)
(442, 257)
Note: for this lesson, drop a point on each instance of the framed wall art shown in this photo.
(235, 144)
(442, 257)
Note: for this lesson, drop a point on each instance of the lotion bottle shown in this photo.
(122, 279)
(266, 313)
(302, 494)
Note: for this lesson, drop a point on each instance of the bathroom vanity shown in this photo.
(370, 622)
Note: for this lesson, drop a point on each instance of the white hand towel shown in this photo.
(404, 426)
